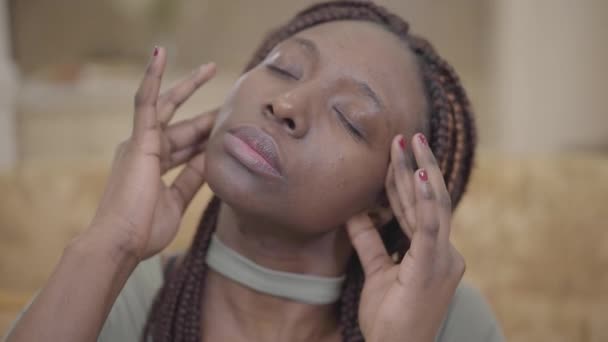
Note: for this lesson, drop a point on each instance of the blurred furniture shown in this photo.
(533, 232)
(8, 85)
(532, 229)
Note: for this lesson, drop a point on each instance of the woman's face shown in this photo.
(303, 139)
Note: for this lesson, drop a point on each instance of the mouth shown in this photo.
(255, 149)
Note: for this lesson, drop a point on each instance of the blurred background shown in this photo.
(533, 226)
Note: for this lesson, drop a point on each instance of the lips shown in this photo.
(262, 145)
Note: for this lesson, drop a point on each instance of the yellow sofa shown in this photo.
(534, 232)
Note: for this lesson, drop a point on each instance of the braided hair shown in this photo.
(450, 128)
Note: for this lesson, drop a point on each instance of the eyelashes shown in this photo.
(354, 131)
(350, 127)
(282, 72)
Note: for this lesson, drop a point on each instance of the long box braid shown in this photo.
(176, 311)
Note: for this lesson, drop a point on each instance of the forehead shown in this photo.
(369, 52)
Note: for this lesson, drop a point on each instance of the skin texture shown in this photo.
(331, 181)
(137, 216)
(282, 223)
(320, 157)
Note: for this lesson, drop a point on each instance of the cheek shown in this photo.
(243, 95)
(358, 180)
(248, 89)
(334, 190)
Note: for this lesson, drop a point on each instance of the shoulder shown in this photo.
(130, 310)
(129, 313)
(469, 318)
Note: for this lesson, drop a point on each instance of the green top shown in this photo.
(469, 318)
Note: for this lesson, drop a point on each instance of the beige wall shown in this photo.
(75, 31)
(548, 74)
(8, 89)
(534, 69)
(228, 31)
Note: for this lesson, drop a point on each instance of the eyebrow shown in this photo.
(312, 48)
(369, 92)
(308, 45)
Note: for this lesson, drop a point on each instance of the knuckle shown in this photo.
(428, 193)
(430, 229)
(375, 263)
(409, 201)
(445, 201)
(428, 279)
(196, 82)
(390, 182)
(402, 164)
(430, 159)
(152, 72)
(458, 264)
(175, 99)
(163, 99)
(214, 112)
(120, 147)
(194, 76)
(138, 99)
(172, 96)
(195, 171)
(398, 215)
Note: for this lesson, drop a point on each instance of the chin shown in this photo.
(266, 200)
(238, 187)
(248, 197)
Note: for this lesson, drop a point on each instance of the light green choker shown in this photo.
(298, 287)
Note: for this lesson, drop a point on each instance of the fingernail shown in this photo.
(422, 175)
(422, 139)
(155, 53)
(203, 68)
(402, 143)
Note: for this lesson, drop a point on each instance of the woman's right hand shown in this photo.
(137, 217)
(138, 212)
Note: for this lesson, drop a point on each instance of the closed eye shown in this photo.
(352, 129)
(281, 72)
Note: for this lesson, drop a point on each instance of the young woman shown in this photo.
(336, 161)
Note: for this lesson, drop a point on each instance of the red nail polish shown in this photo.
(422, 139)
(423, 176)
(155, 51)
(402, 143)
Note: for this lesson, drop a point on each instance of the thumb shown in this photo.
(367, 243)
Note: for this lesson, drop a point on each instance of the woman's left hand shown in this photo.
(408, 301)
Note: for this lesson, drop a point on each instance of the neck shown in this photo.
(262, 315)
(275, 247)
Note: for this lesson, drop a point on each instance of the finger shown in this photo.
(424, 243)
(404, 171)
(190, 131)
(171, 100)
(458, 264)
(189, 181)
(147, 95)
(182, 156)
(426, 160)
(395, 202)
(368, 244)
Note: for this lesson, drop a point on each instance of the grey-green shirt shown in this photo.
(469, 318)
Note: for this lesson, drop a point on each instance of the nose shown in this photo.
(290, 111)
